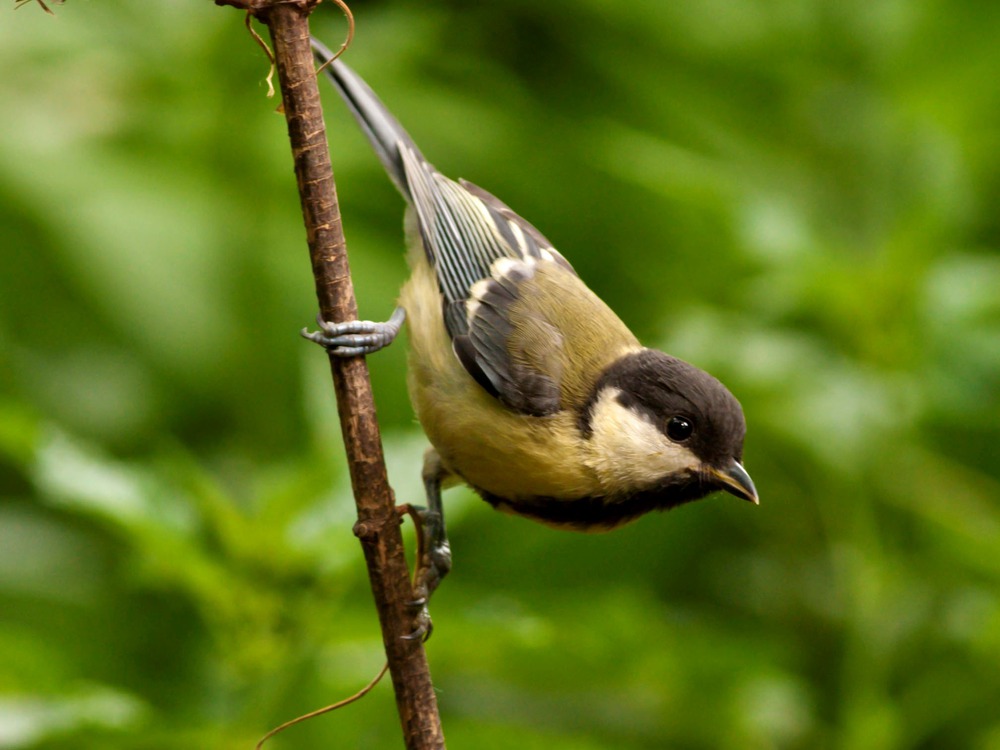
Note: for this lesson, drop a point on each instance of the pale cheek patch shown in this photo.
(626, 451)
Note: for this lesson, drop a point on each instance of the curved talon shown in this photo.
(423, 630)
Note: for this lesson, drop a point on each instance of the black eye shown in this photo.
(679, 429)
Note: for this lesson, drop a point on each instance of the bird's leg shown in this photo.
(437, 552)
(433, 550)
(356, 337)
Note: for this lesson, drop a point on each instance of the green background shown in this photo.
(800, 196)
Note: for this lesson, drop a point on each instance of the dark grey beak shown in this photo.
(735, 480)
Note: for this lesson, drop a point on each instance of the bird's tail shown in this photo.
(382, 129)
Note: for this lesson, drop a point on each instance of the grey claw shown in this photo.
(423, 630)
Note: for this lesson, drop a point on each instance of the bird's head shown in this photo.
(656, 424)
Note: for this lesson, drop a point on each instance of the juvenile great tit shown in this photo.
(530, 389)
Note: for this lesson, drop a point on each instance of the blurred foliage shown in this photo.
(799, 195)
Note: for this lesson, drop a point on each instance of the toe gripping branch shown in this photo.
(433, 550)
(356, 338)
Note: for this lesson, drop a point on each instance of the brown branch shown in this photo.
(378, 522)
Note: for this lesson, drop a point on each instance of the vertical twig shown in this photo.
(378, 523)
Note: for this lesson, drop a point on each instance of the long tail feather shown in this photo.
(382, 129)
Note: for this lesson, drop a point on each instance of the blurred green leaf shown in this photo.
(799, 196)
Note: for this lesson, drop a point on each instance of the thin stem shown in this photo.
(378, 525)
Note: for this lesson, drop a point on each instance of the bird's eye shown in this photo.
(679, 429)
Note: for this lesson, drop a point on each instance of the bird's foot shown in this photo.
(356, 338)
(432, 565)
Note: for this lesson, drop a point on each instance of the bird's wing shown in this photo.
(538, 338)
(465, 230)
(521, 321)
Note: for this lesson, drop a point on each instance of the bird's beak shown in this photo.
(735, 480)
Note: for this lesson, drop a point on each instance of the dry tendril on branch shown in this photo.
(267, 50)
(47, 9)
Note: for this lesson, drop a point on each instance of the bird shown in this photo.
(530, 389)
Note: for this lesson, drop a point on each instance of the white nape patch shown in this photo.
(627, 451)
